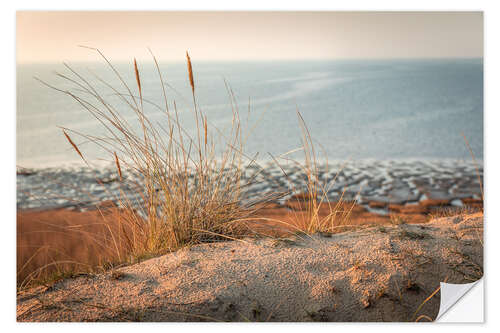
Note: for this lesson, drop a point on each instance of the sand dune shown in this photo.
(377, 274)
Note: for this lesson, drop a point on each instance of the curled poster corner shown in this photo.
(455, 307)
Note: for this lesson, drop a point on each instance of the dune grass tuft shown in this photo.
(191, 189)
(189, 186)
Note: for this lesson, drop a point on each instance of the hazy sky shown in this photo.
(55, 36)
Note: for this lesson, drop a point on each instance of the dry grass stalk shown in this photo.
(309, 220)
(190, 72)
(117, 162)
(206, 131)
(475, 165)
(73, 144)
(138, 79)
(189, 192)
(425, 301)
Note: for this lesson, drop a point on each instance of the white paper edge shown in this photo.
(461, 303)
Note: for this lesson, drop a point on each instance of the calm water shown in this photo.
(405, 109)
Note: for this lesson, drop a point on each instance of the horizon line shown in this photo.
(172, 61)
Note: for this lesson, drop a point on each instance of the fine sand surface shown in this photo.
(381, 273)
(76, 239)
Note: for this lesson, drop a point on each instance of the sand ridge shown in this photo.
(379, 273)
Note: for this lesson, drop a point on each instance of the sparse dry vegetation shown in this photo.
(191, 186)
(190, 189)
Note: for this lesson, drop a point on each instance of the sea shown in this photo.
(417, 109)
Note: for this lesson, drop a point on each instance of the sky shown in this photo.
(55, 36)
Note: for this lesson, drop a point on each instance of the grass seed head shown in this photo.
(190, 71)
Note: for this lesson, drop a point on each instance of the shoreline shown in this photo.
(107, 164)
(392, 182)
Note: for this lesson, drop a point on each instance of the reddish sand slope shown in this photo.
(82, 239)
